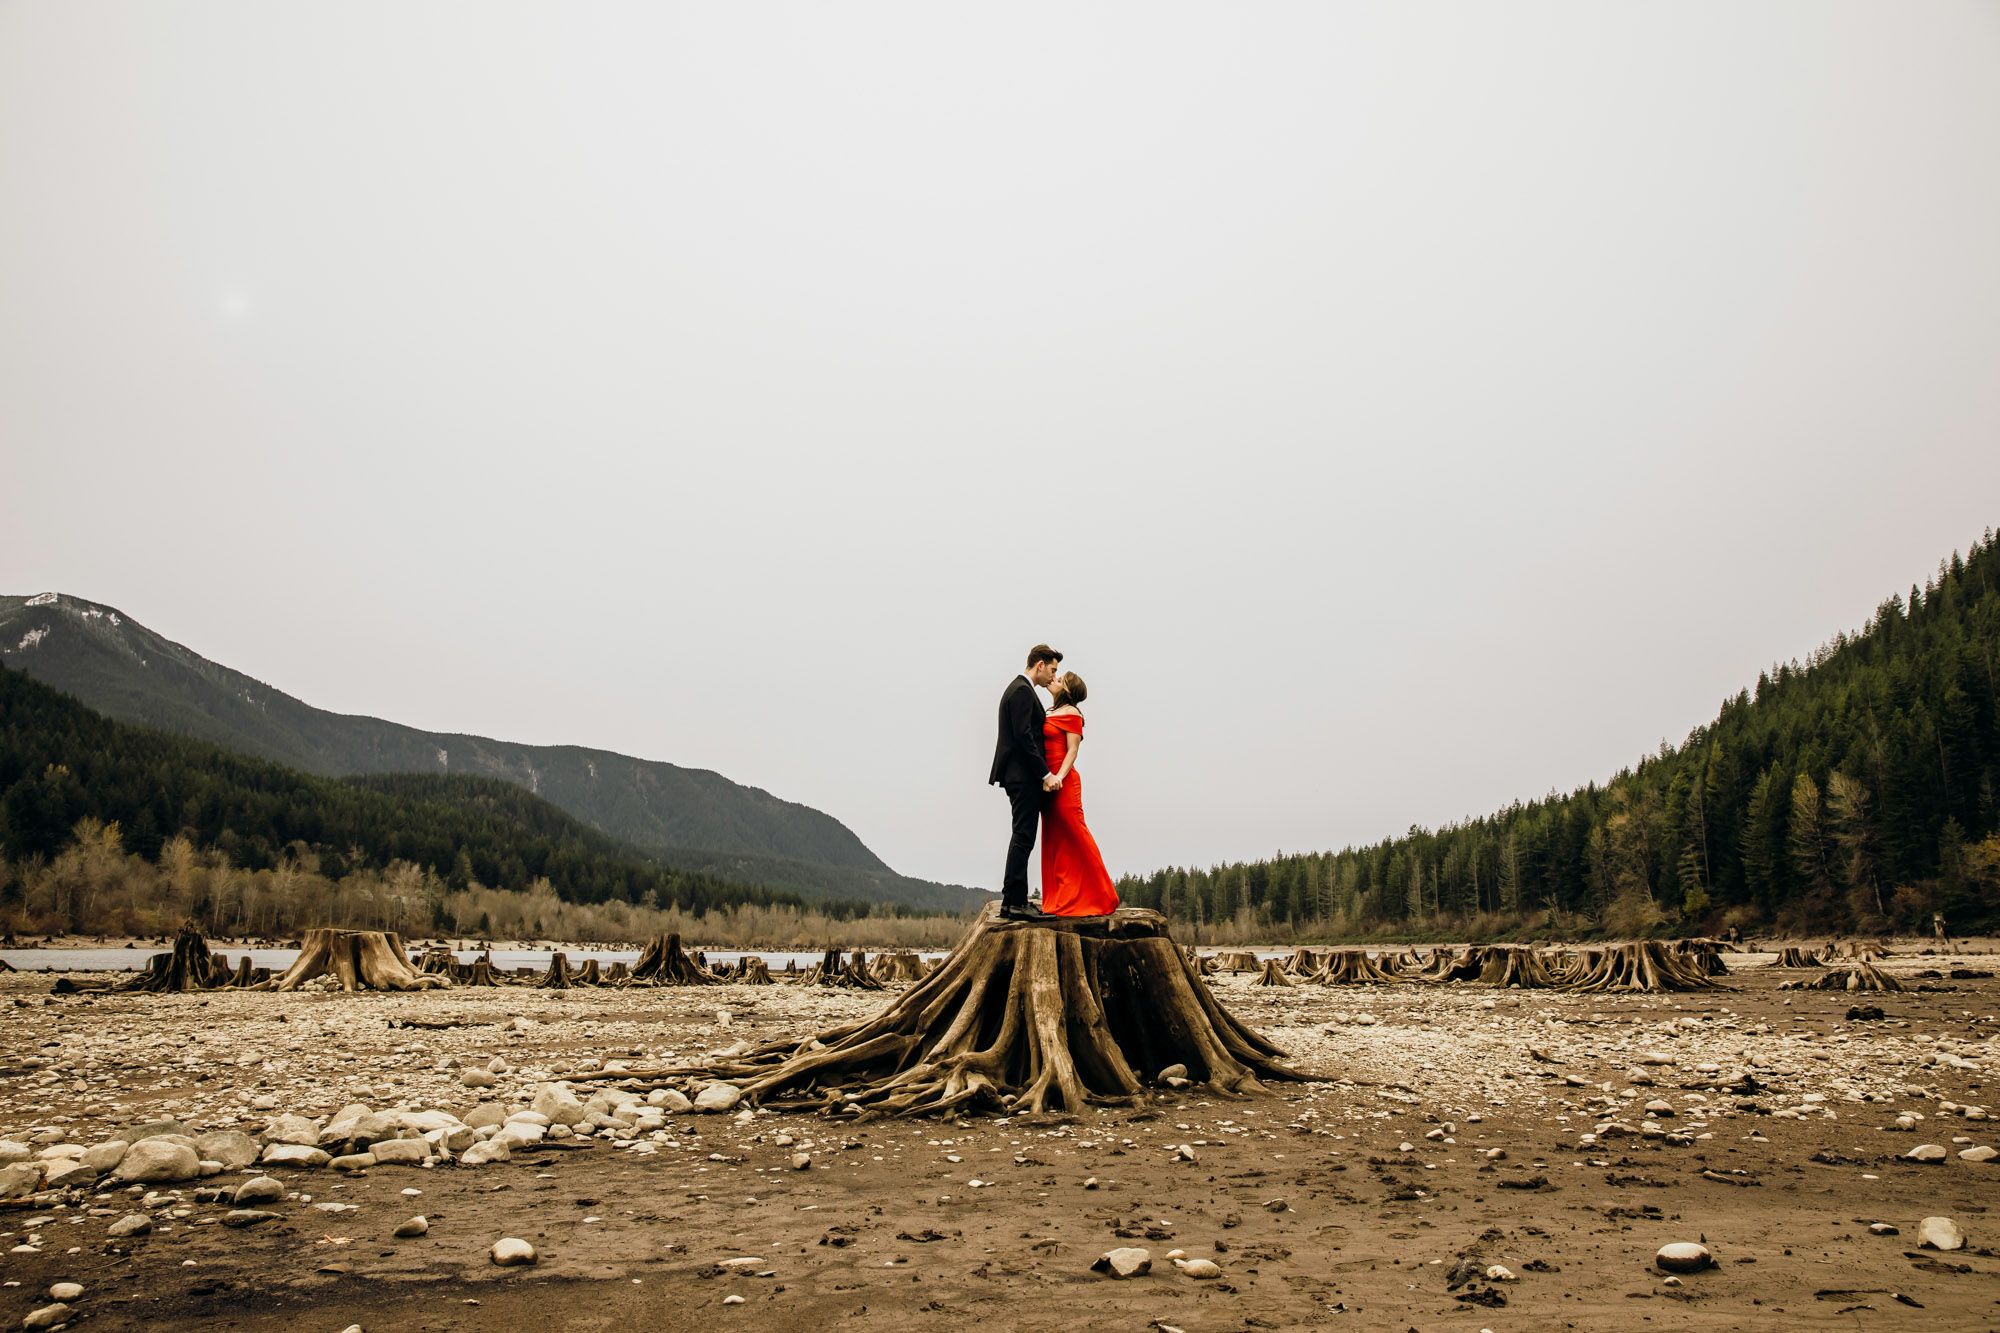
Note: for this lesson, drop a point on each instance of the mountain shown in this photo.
(61, 762)
(686, 817)
(1858, 790)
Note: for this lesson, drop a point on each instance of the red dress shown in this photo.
(1074, 881)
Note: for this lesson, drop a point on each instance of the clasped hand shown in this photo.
(1051, 783)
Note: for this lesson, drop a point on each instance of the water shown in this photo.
(131, 960)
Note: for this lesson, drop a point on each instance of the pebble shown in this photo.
(1125, 1262)
(511, 1252)
(1979, 1154)
(801, 1162)
(732, 1300)
(1884, 1229)
(1939, 1233)
(48, 1316)
(247, 1217)
(1500, 1273)
(1684, 1257)
(416, 1226)
(260, 1189)
(1925, 1152)
(132, 1224)
(65, 1291)
(1197, 1268)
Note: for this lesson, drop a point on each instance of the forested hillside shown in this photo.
(1853, 791)
(60, 763)
(685, 817)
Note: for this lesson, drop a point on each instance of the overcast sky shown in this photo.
(1391, 409)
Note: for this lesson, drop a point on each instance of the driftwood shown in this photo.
(1274, 974)
(1647, 965)
(1028, 1016)
(1793, 956)
(359, 959)
(664, 963)
(189, 967)
(1862, 976)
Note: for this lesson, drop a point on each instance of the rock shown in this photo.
(1128, 1262)
(1500, 1273)
(718, 1097)
(455, 1139)
(1980, 1154)
(1925, 1152)
(674, 1103)
(520, 1135)
(479, 1154)
(19, 1179)
(1684, 1257)
(246, 1217)
(353, 1161)
(486, 1113)
(559, 1104)
(106, 1156)
(132, 1224)
(153, 1160)
(291, 1129)
(416, 1226)
(512, 1253)
(48, 1316)
(1198, 1268)
(401, 1152)
(66, 1174)
(1939, 1233)
(260, 1189)
(1658, 1108)
(358, 1133)
(12, 1151)
(1172, 1072)
(801, 1162)
(66, 1291)
(477, 1078)
(152, 1129)
(295, 1154)
(496, 1065)
(1884, 1229)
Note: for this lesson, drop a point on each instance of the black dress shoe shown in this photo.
(1021, 914)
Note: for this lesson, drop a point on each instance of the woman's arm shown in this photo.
(1069, 760)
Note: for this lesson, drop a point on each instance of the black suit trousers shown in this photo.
(1026, 800)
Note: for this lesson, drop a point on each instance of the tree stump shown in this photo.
(756, 972)
(1238, 960)
(664, 963)
(1646, 965)
(1304, 962)
(1707, 952)
(902, 966)
(481, 972)
(851, 975)
(1274, 974)
(437, 963)
(359, 959)
(587, 975)
(1352, 967)
(1863, 976)
(189, 967)
(618, 975)
(557, 975)
(1028, 1016)
(1517, 965)
(1792, 956)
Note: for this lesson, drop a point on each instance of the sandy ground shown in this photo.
(1344, 1204)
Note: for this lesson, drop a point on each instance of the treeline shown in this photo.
(1854, 791)
(61, 762)
(93, 886)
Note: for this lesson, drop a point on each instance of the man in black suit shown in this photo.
(1021, 769)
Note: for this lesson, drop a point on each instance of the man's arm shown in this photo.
(1027, 736)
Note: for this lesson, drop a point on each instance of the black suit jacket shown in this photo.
(1019, 756)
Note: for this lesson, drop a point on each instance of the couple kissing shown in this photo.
(1035, 764)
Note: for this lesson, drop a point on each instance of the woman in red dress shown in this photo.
(1074, 881)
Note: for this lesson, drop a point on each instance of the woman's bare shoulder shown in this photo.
(1066, 710)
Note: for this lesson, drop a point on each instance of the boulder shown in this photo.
(1684, 1257)
(247, 1217)
(479, 1154)
(155, 1160)
(262, 1189)
(1980, 1154)
(12, 1152)
(20, 1179)
(353, 1161)
(1925, 1152)
(295, 1154)
(231, 1147)
(401, 1152)
(105, 1156)
(486, 1113)
(416, 1226)
(669, 1100)
(559, 1104)
(66, 1291)
(477, 1078)
(291, 1129)
(49, 1316)
(1199, 1268)
(1939, 1233)
(512, 1253)
(718, 1097)
(66, 1174)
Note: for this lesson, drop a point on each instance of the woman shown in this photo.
(1074, 881)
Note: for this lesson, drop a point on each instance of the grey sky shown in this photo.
(1391, 409)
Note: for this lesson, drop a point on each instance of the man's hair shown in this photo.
(1041, 652)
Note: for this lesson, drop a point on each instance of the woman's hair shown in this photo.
(1069, 689)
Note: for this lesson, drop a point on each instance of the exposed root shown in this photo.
(189, 967)
(1274, 974)
(1646, 965)
(1863, 976)
(1030, 1016)
(1792, 956)
(1352, 967)
(664, 963)
(360, 959)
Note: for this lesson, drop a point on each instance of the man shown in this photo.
(1021, 769)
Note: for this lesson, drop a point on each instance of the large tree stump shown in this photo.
(1646, 965)
(1238, 960)
(189, 967)
(1793, 956)
(557, 975)
(1274, 974)
(851, 974)
(1304, 962)
(1031, 1016)
(590, 974)
(1863, 976)
(359, 959)
(665, 963)
(1352, 967)
(900, 966)
(1708, 951)
(618, 974)
(756, 972)
(1518, 965)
